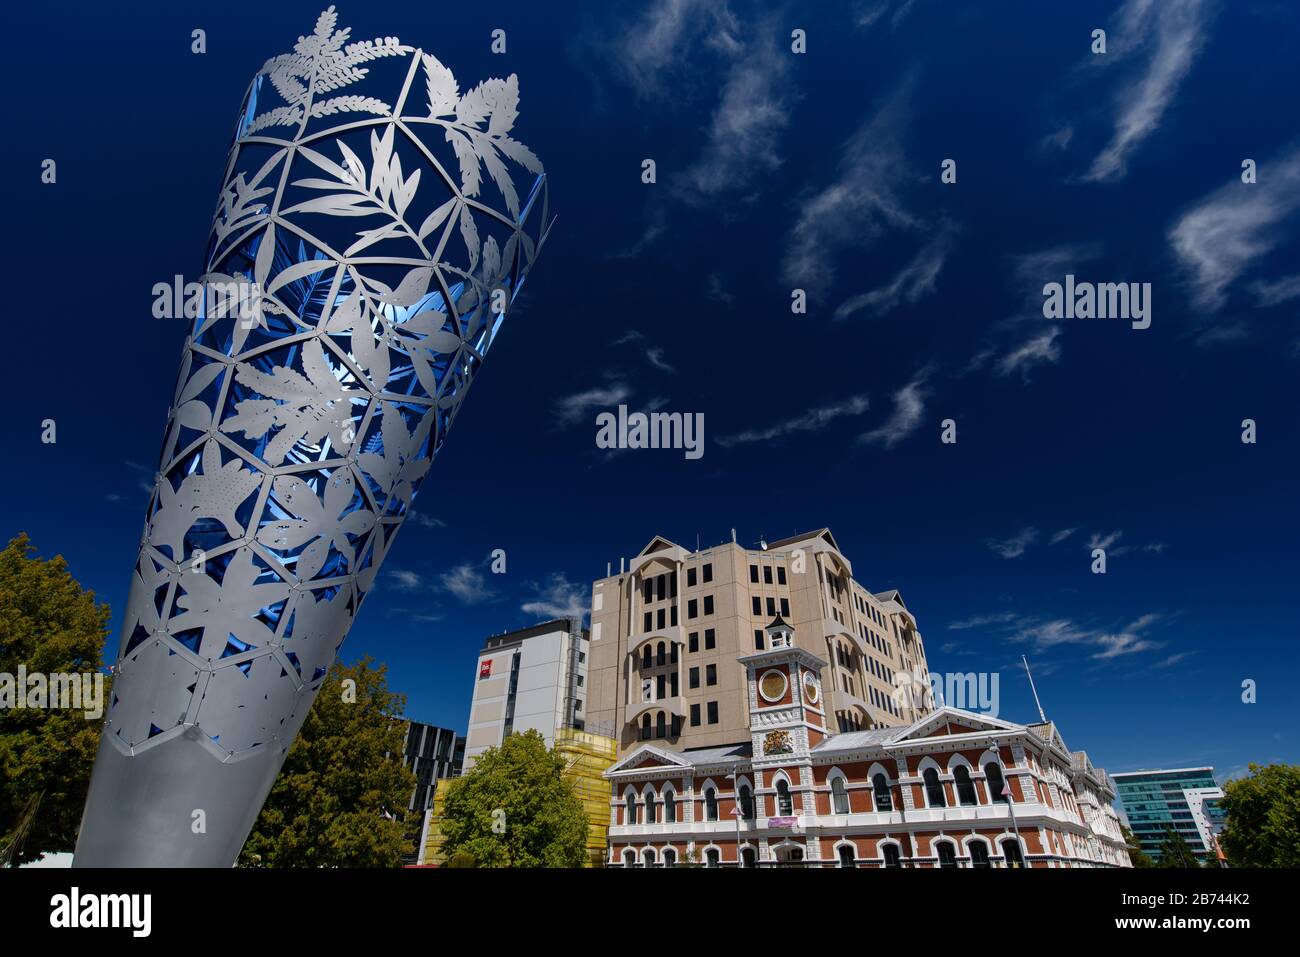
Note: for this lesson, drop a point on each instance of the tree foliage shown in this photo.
(341, 797)
(1136, 856)
(1176, 852)
(50, 625)
(1263, 817)
(515, 809)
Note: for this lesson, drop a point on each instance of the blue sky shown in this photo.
(776, 171)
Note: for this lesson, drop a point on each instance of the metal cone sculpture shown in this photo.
(373, 263)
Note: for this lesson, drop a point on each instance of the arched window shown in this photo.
(710, 804)
(979, 854)
(846, 855)
(784, 804)
(892, 856)
(947, 852)
(747, 857)
(993, 777)
(645, 727)
(880, 784)
(629, 858)
(670, 807)
(746, 802)
(839, 796)
(661, 654)
(712, 857)
(651, 808)
(1011, 851)
(933, 789)
(965, 786)
(669, 857)
(661, 725)
(630, 814)
(646, 657)
(648, 857)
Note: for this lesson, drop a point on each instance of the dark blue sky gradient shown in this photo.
(1132, 431)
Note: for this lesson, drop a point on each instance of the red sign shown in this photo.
(485, 669)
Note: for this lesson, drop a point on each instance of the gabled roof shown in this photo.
(855, 740)
(947, 720)
(824, 533)
(657, 544)
(648, 756)
(1046, 732)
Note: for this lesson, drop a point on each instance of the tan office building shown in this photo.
(667, 632)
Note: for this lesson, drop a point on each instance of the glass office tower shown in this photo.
(1156, 801)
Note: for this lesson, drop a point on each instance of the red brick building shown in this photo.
(955, 789)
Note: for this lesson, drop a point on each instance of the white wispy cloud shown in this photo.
(813, 420)
(559, 598)
(467, 583)
(654, 355)
(911, 283)
(427, 521)
(1016, 545)
(744, 136)
(577, 407)
(1276, 292)
(983, 621)
(651, 50)
(405, 580)
(906, 417)
(1098, 540)
(1172, 32)
(1062, 535)
(1037, 349)
(860, 204)
(1223, 235)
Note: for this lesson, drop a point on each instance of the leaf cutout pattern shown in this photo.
(373, 270)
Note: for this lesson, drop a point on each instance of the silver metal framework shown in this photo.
(382, 264)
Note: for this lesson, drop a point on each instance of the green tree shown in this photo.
(341, 797)
(1263, 817)
(1136, 856)
(514, 809)
(1176, 852)
(50, 625)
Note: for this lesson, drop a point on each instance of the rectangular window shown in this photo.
(693, 678)
(711, 674)
(771, 607)
(713, 712)
(780, 574)
(677, 730)
(692, 609)
(649, 619)
(672, 614)
(785, 607)
(694, 641)
(662, 582)
(767, 574)
(690, 578)
(708, 604)
(708, 639)
(753, 574)
(757, 604)
(662, 617)
(649, 589)
(695, 716)
(758, 639)
(708, 572)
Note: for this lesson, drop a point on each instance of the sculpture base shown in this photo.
(142, 809)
